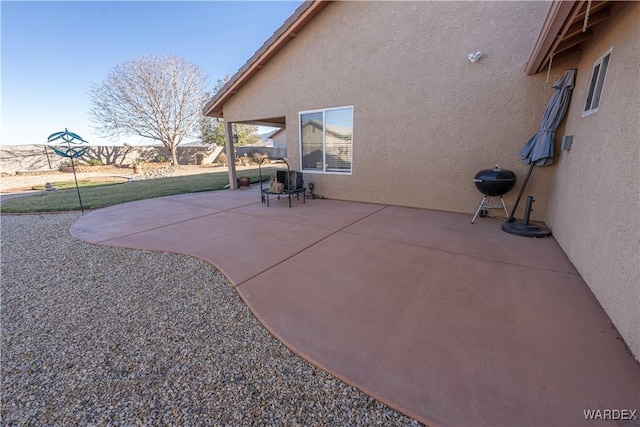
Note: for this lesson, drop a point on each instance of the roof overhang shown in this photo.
(563, 29)
(276, 122)
(287, 32)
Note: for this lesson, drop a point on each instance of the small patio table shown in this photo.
(289, 187)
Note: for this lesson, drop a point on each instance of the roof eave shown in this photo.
(283, 35)
(556, 17)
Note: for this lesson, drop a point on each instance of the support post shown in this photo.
(231, 156)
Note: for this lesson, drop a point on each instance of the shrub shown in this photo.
(67, 164)
(257, 157)
(94, 162)
(222, 159)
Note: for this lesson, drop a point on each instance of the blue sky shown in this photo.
(53, 51)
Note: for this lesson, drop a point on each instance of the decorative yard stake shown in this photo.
(69, 152)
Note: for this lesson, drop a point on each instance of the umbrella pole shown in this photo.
(512, 217)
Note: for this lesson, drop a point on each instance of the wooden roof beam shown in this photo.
(594, 19)
(575, 11)
(596, 6)
(571, 34)
(573, 41)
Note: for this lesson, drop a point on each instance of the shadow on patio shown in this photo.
(448, 322)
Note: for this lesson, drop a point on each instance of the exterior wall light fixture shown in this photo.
(475, 57)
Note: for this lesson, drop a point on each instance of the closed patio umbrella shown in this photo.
(538, 151)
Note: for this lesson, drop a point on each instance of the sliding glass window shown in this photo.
(597, 83)
(326, 140)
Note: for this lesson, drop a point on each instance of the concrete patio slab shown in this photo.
(452, 232)
(134, 217)
(459, 339)
(213, 200)
(241, 246)
(448, 322)
(329, 214)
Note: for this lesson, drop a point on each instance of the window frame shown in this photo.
(596, 83)
(324, 169)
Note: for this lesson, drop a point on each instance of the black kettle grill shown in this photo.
(494, 182)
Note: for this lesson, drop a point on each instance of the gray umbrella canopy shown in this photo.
(539, 149)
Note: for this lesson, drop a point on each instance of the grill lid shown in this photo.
(495, 182)
(495, 174)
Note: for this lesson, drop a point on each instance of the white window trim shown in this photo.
(596, 89)
(324, 148)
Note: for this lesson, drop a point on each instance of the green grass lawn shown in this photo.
(107, 194)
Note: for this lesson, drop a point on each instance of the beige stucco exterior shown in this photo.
(279, 143)
(426, 119)
(594, 207)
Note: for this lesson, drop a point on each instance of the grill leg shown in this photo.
(484, 200)
(506, 212)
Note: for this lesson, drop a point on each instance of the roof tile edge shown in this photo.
(285, 33)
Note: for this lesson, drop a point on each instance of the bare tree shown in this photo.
(159, 98)
(108, 155)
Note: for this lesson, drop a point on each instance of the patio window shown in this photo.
(597, 83)
(326, 140)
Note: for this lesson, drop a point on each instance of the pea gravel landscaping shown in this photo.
(93, 335)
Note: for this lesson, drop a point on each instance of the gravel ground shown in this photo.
(94, 335)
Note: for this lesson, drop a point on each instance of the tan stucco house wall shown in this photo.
(594, 207)
(425, 119)
(279, 143)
